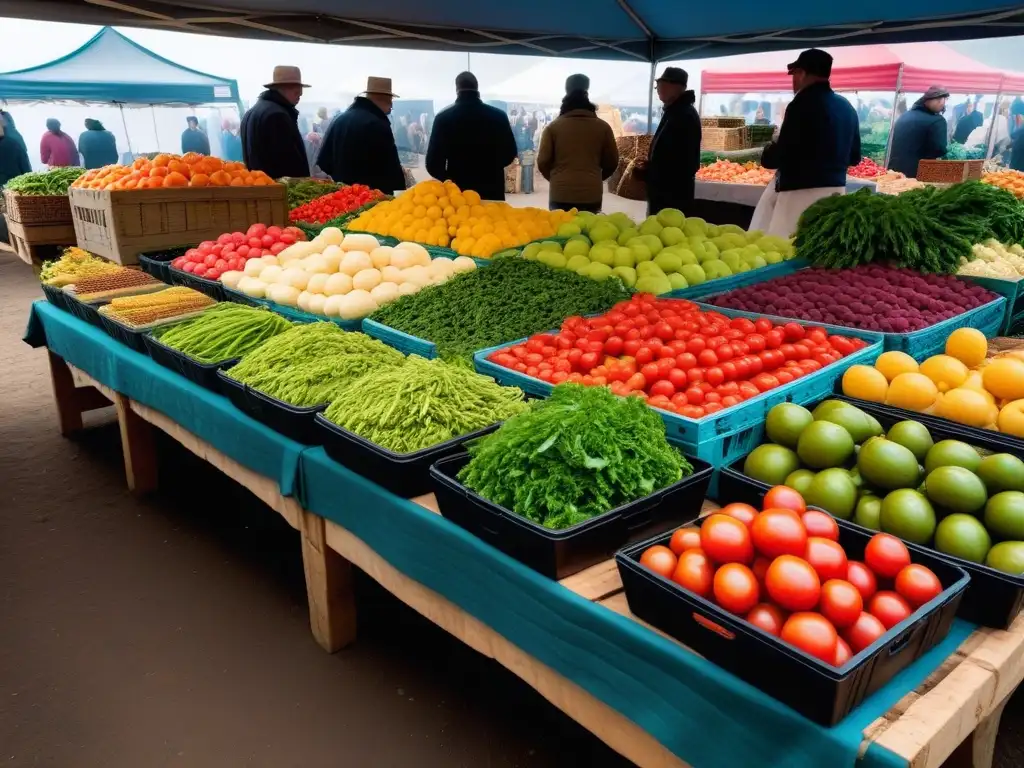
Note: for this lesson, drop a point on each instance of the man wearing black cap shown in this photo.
(819, 139)
(674, 156)
(920, 133)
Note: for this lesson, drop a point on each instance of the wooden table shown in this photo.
(951, 719)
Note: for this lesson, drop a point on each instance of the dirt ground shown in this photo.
(173, 632)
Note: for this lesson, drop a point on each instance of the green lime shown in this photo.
(853, 420)
(1002, 472)
(1008, 557)
(800, 480)
(963, 536)
(913, 435)
(947, 453)
(886, 464)
(770, 463)
(785, 422)
(868, 512)
(823, 444)
(876, 426)
(908, 514)
(956, 489)
(833, 491)
(1004, 515)
(826, 407)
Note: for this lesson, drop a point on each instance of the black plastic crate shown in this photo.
(558, 554)
(212, 288)
(232, 389)
(56, 296)
(130, 337)
(404, 474)
(994, 598)
(158, 263)
(819, 691)
(84, 311)
(203, 374)
(291, 421)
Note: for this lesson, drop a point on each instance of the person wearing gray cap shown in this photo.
(577, 151)
(920, 133)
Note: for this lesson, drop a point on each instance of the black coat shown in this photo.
(1017, 150)
(965, 126)
(819, 139)
(271, 141)
(919, 134)
(194, 141)
(471, 144)
(359, 148)
(674, 156)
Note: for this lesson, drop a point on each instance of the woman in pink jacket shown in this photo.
(57, 149)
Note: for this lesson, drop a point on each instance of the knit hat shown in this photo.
(577, 83)
(935, 92)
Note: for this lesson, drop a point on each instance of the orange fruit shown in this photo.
(892, 364)
(1004, 378)
(968, 345)
(200, 180)
(865, 382)
(947, 372)
(237, 182)
(159, 170)
(175, 179)
(161, 160)
(913, 391)
(220, 179)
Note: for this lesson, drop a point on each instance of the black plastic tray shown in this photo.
(404, 474)
(232, 389)
(994, 598)
(212, 288)
(158, 263)
(56, 296)
(122, 333)
(558, 554)
(819, 691)
(84, 311)
(203, 374)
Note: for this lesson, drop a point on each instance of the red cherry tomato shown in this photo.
(726, 540)
(886, 555)
(735, 588)
(663, 388)
(684, 539)
(784, 497)
(767, 617)
(863, 578)
(820, 524)
(863, 632)
(827, 557)
(813, 634)
(917, 584)
(779, 532)
(841, 603)
(659, 559)
(742, 512)
(889, 608)
(793, 583)
(694, 572)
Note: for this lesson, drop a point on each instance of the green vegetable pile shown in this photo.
(579, 454)
(422, 403)
(507, 300)
(311, 364)
(49, 183)
(957, 151)
(225, 332)
(302, 191)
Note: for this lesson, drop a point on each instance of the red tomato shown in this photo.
(784, 497)
(613, 346)
(726, 540)
(715, 376)
(678, 379)
(742, 512)
(200, 269)
(820, 524)
(863, 632)
(889, 608)
(917, 584)
(694, 572)
(188, 266)
(827, 557)
(767, 617)
(841, 603)
(696, 345)
(686, 361)
(793, 583)
(842, 652)
(735, 588)
(760, 569)
(659, 559)
(813, 634)
(663, 388)
(886, 555)
(863, 578)
(684, 539)
(779, 532)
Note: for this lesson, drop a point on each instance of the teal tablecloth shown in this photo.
(706, 716)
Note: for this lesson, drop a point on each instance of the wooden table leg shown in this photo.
(65, 395)
(332, 605)
(138, 446)
(978, 749)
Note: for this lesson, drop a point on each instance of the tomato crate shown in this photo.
(560, 553)
(740, 280)
(1012, 290)
(819, 691)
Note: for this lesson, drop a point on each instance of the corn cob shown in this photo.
(137, 311)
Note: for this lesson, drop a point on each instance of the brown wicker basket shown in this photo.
(630, 186)
(37, 209)
(949, 171)
(634, 147)
(723, 122)
(725, 139)
(616, 177)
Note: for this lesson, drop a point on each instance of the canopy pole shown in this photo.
(991, 138)
(156, 131)
(892, 118)
(650, 97)
(128, 138)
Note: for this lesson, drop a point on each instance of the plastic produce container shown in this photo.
(158, 263)
(819, 691)
(232, 389)
(739, 280)
(212, 288)
(1012, 290)
(403, 342)
(291, 421)
(84, 311)
(203, 374)
(56, 296)
(558, 554)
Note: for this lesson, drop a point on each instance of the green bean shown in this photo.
(225, 332)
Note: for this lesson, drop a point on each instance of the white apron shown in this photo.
(777, 213)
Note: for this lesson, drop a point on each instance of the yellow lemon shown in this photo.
(1011, 418)
(968, 345)
(1004, 378)
(866, 383)
(947, 372)
(966, 406)
(913, 391)
(892, 364)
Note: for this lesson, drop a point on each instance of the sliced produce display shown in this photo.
(233, 250)
(964, 385)
(436, 213)
(421, 403)
(942, 494)
(1010, 180)
(165, 170)
(302, 191)
(871, 297)
(124, 281)
(148, 308)
(678, 358)
(736, 173)
(311, 364)
(993, 259)
(330, 206)
(508, 300)
(667, 252)
(52, 183)
(225, 332)
(73, 265)
(784, 571)
(344, 276)
(575, 456)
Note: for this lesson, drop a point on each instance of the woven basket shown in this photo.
(723, 122)
(634, 147)
(949, 171)
(616, 177)
(629, 186)
(725, 139)
(37, 209)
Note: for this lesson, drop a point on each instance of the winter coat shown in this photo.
(271, 141)
(98, 148)
(194, 141)
(919, 134)
(58, 150)
(577, 153)
(13, 158)
(819, 139)
(231, 146)
(674, 156)
(1017, 151)
(471, 144)
(359, 148)
(966, 124)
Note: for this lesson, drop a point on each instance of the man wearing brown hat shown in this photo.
(271, 141)
(359, 147)
(674, 157)
(920, 133)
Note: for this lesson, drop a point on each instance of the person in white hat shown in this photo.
(271, 141)
(359, 147)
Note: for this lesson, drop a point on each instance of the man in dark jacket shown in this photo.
(271, 141)
(359, 147)
(920, 134)
(674, 157)
(97, 145)
(471, 143)
(193, 139)
(972, 119)
(13, 153)
(818, 140)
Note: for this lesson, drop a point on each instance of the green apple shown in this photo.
(640, 251)
(653, 242)
(694, 226)
(656, 284)
(671, 217)
(599, 271)
(651, 226)
(603, 253)
(669, 262)
(552, 259)
(648, 268)
(626, 235)
(672, 236)
(677, 281)
(624, 257)
(551, 245)
(568, 229)
(576, 263)
(530, 252)
(603, 231)
(687, 256)
(626, 274)
(773, 258)
(693, 273)
(576, 248)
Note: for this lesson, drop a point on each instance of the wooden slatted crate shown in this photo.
(725, 139)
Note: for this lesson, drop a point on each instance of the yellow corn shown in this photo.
(150, 307)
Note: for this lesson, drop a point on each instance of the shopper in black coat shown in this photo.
(271, 141)
(674, 157)
(920, 134)
(359, 147)
(471, 143)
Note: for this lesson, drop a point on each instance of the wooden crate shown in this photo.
(120, 225)
(725, 139)
(37, 209)
(949, 171)
(723, 121)
(36, 244)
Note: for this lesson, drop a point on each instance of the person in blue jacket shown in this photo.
(97, 145)
(920, 134)
(193, 139)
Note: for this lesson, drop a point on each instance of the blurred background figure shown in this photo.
(193, 139)
(231, 142)
(13, 153)
(56, 148)
(972, 119)
(97, 145)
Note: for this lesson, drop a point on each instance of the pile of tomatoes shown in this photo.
(335, 204)
(679, 358)
(230, 251)
(783, 569)
(866, 169)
